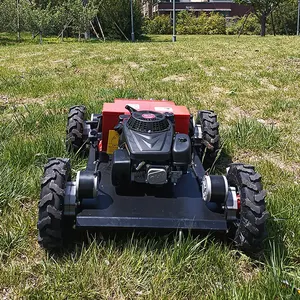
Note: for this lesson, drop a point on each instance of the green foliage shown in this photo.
(12, 17)
(262, 9)
(38, 20)
(115, 18)
(187, 23)
(81, 15)
(251, 26)
(7, 13)
(285, 17)
(159, 25)
(262, 6)
(70, 16)
(215, 24)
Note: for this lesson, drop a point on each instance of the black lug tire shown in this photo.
(210, 135)
(250, 231)
(51, 225)
(75, 129)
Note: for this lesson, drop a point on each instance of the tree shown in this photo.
(285, 17)
(38, 19)
(83, 14)
(115, 18)
(262, 9)
(11, 16)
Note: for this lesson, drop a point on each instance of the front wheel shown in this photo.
(250, 229)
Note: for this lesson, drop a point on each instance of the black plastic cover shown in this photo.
(182, 151)
(120, 173)
(155, 146)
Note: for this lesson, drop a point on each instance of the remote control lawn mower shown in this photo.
(145, 171)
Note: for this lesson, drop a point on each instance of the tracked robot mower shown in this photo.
(145, 171)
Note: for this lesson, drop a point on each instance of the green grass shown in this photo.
(251, 83)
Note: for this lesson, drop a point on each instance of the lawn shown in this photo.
(252, 83)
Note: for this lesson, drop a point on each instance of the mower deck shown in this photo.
(142, 206)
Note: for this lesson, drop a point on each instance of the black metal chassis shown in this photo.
(141, 206)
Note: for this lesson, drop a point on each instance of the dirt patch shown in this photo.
(133, 65)
(290, 167)
(176, 78)
(294, 61)
(6, 102)
(22, 101)
(264, 82)
(118, 80)
(136, 66)
(247, 271)
(6, 294)
(59, 61)
(206, 70)
(283, 165)
(269, 122)
(217, 90)
(236, 113)
(3, 102)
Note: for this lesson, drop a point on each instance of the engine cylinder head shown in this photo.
(148, 121)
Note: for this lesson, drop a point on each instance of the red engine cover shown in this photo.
(111, 112)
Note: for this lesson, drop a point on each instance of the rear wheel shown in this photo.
(51, 223)
(210, 136)
(75, 139)
(250, 230)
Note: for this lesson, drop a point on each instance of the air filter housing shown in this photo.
(148, 121)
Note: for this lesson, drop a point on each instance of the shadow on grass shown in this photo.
(6, 41)
(221, 163)
(276, 252)
(10, 40)
(120, 239)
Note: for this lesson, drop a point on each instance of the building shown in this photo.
(225, 7)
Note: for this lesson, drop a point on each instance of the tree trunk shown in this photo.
(18, 22)
(273, 24)
(41, 38)
(263, 24)
(87, 34)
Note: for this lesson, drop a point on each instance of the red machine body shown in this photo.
(112, 111)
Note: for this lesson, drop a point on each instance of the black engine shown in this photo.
(149, 150)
